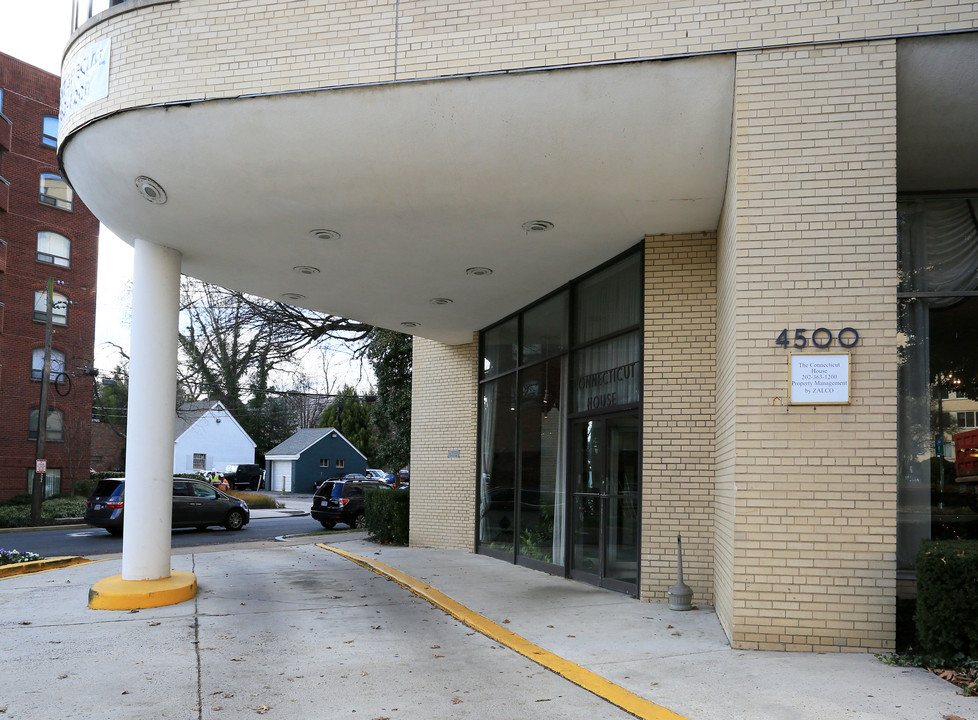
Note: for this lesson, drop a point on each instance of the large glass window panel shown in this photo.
(609, 301)
(541, 445)
(586, 458)
(500, 346)
(607, 375)
(623, 456)
(938, 375)
(586, 482)
(586, 553)
(621, 549)
(545, 329)
(497, 464)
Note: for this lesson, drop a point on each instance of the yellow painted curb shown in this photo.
(36, 566)
(114, 593)
(590, 681)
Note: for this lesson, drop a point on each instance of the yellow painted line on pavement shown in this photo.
(37, 566)
(590, 681)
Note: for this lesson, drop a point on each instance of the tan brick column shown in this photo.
(444, 404)
(678, 414)
(806, 510)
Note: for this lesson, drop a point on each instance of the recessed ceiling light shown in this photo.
(441, 301)
(324, 234)
(293, 297)
(538, 226)
(410, 324)
(306, 270)
(151, 190)
(478, 271)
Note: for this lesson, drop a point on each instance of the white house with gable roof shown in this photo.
(207, 437)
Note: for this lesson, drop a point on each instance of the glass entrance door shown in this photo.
(604, 483)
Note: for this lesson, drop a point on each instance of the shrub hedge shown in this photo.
(61, 507)
(947, 598)
(387, 514)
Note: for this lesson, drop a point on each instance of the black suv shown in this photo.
(195, 504)
(341, 501)
(244, 477)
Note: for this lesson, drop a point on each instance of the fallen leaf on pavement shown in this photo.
(262, 709)
(456, 701)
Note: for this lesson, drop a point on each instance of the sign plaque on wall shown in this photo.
(820, 379)
(86, 79)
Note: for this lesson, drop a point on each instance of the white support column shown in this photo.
(152, 403)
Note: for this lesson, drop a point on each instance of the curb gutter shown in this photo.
(590, 681)
(36, 566)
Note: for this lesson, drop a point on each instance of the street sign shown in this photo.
(41, 466)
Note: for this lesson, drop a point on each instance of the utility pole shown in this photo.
(40, 465)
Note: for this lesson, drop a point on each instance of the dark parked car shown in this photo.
(195, 504)
(348, 476)
(341, 500)
(244, 477)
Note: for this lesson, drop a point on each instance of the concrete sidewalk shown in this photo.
(293, 630)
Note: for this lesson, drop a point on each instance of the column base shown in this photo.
(114, 593)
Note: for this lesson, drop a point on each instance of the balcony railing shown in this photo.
(83, 10)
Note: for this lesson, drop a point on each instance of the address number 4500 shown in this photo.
(820, 338)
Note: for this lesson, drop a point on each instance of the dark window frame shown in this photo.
(521, 367)
(46, 138)
(67, 203)
(33, 422)
(58, 301)
(50, 258)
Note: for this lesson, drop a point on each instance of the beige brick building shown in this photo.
(672, 268)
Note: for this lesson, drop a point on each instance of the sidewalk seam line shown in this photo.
(580, 676)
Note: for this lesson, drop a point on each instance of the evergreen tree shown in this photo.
(390, 355)
(351, 416)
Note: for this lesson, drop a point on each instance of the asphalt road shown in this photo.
(89, 541)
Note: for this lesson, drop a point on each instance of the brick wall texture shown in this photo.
(30, 94)
(678, 414)
(197, 49)
(788, 513)
(806, 512)
(443, 444)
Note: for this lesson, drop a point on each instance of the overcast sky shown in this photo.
(36, 32)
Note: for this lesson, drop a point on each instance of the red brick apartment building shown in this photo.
(45, 232)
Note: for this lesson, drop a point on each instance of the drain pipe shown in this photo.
(681, 595)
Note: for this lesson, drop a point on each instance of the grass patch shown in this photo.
(256, 500)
